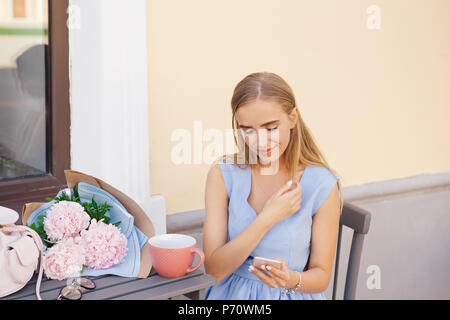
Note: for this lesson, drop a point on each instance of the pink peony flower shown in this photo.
(65, 219)
(64, 259)
(104, 244)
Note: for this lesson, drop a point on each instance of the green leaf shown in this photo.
(49, 243)
(33, 226)
(76, 195)
(62, 197)
(94, 204)
(39, 227)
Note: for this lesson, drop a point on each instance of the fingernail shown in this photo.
(251, 268)
(268, 268)
(289, 182)
(263, 267)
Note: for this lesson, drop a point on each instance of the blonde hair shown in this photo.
(301, 149)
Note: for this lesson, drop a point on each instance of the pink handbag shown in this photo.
(20, 250)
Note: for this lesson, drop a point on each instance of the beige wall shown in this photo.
(377, 101)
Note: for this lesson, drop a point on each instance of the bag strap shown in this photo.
(38, 241)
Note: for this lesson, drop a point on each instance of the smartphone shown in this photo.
(259, 261)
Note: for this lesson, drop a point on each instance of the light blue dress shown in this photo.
(289, 239)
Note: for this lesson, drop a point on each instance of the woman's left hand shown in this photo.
(274, 277)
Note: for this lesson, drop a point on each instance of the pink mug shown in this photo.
(172, 254)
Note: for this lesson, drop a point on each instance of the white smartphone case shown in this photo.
(259, 261)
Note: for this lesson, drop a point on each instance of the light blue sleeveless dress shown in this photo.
(289, 239)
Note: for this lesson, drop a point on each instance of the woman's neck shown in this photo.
(271, 168)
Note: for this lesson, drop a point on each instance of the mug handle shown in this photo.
(202, 259)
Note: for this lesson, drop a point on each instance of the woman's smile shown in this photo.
(266, 152)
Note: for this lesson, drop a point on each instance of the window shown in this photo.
(34, 100)
(23, 98)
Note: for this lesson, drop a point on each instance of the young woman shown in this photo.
(252, 209)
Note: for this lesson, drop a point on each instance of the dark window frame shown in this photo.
(15, 193)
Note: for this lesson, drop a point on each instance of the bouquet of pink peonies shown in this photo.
(75, 238)
(91, 228)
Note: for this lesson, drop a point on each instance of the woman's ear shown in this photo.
(293, 116)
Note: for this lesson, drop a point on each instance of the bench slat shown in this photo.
(134, 286)
(171, 290)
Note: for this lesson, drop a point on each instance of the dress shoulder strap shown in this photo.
(227, 174)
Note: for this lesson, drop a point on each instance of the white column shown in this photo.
(109, 98)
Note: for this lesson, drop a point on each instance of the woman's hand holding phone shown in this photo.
(284, 202)
(275, 277)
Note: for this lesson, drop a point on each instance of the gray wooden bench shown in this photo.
(191, 286)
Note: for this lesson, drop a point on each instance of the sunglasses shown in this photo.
(74, 290)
